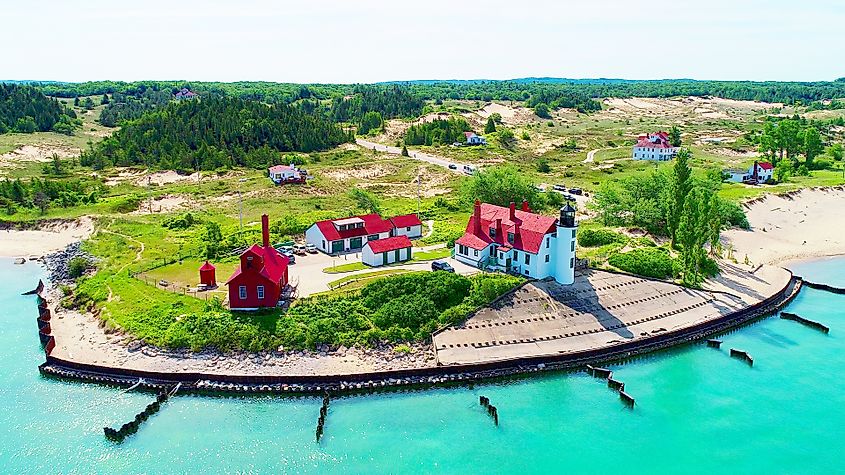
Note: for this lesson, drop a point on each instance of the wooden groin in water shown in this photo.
(743, 355)
(131, 427)
(825, 287)
(492, 411)
(804, 321)
(37, 290)
(613, 384)
(714, 343)
(321, 421)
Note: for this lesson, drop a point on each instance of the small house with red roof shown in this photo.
(282, 174)
(654, 147)
(520, 241)
(184, 93)
(262, 276)
(759, 172)
(386, 251)
(335, 236)
(473, 139)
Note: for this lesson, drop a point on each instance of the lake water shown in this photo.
(698, 411)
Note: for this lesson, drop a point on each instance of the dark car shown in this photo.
(559, 188)
(442, 265)
(576, 191)
(452, 166)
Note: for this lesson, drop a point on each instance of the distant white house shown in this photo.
(285, 174)
(386, 251)
(654, 147)
(759, 172)
(185, 93)
(473, 139)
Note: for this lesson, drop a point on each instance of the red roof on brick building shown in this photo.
(275, 264)
(389, 244)
(528, 228)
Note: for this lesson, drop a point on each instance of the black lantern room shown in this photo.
(567, 216)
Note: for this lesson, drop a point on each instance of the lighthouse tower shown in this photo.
(565, 256)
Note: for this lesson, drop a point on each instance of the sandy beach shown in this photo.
(50, 238)
(794, 226)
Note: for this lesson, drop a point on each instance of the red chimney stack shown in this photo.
(477, 217)
(265, 230)
(513, 211)
(525, 206)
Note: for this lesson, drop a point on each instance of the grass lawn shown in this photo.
(361, 279)
(432, 254)
(343, 268)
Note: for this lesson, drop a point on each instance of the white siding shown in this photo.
(412, 233)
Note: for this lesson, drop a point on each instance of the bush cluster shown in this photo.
(594, 237)
(652, 262)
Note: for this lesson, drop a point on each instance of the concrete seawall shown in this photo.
(430, 376)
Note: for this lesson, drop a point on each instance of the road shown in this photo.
(415, 154)
(591, 155)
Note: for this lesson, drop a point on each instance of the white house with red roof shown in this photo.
(334, 236)
(654, 147)
(759, 172)
(281, 174)
(520, 241)
(473, 139)
(386, 251)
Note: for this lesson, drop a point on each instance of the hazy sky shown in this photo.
(374, 40)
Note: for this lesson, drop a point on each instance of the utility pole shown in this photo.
(241, 204)
(419, 184)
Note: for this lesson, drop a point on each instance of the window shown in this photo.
(493, 233)
(527, 258)
(547, 243)
(547, 258)
(260, 289)
(573, 234)
(242, 292)
(501, 255)
(510, 238)
(408, 228)
(526, 271)
(572, 246)
(475, 251)
(372, 237)
(463, 250)
(572, 263)
(324, 243)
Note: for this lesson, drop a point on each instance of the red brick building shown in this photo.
(261, 277)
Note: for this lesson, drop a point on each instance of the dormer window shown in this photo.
(510, 238)
(493, 233)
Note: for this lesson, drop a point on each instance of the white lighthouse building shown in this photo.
(519, 241)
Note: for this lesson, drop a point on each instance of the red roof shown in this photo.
(765, 165)
(275, 264)
(406, 220)
(373, 224)
(528, 228)
(469, 134)
(207, 266)
(656, 140)
(389, 244)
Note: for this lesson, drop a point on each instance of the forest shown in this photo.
(437, 132)
(213, 133)
(44, 193)
(25, 109)
(122, 106)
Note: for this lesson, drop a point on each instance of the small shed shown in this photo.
(386, 251)
(208, 275)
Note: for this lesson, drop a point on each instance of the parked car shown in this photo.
(576, 191)
(291, 257)
(452, 166)
(559, 188)
(285, 249)
(442, 265)
(299, 249)
(311, 249)
(469, 170)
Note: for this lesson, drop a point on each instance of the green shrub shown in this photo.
(125, 204)
(648, 261)
(594, 237)
(77, 267)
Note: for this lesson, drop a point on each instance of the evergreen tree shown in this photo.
(404, 151)
(675, 136)
(490, 127)
(105, 99)
(680, 188)
(692, 236)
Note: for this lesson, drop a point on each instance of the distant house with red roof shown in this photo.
(386, 251)
(520, 241)
(759, 172)
(473, 139)
(184, 93)
(654, 147)
(261, 277)
(334, 236)
(281, 174)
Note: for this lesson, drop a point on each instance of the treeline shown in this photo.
(389, 101)
(36, 193)
(25, 109)
(794, 137)
(437, 132)
(215, 132)
(123, 106)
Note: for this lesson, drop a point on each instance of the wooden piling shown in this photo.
(614, 384)
(714, 343)
(804, 321)
(627, 399)
(742, 355)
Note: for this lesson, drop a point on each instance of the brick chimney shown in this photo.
(512, 215)
(525, 206)
(476, 217)
(265, 230)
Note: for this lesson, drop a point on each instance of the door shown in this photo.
(337, 246)
(356, 243)
(397, 255)
(508, 264)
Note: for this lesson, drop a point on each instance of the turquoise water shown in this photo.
(698, 411)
